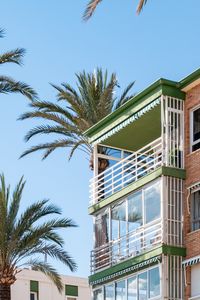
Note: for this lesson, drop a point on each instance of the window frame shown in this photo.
(192, 142)
(192, 220)
(35, 295)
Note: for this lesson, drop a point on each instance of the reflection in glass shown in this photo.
(109, 292)
(120, 290)
(134, 211)
(102, 229)
(142, 279)
(132, 288)
(98, 294)
(154, 283)
(152, 202)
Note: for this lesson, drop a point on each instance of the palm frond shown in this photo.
(9, 85)
(124, 98)
(48, 270)
(13, 56)
(91, 6)
(2, 32)
(141, 5)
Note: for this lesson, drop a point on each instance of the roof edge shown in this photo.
(154, 86)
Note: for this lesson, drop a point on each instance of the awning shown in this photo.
(191, 261)
(194, 187)
(128, 121)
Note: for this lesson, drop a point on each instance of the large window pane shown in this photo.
(154, 282)
(98, 294)
(118, 216)
(142, 279)
(102, 228)
(134, 211)
(152, 202)
(120, 290)
(132, 288)
(109, 292)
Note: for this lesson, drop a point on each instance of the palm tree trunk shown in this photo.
(5, 292)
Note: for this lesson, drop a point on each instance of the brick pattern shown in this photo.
(192, 165)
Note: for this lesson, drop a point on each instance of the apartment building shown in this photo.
(145, 195)
(35, 285)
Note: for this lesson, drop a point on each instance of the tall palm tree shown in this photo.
(26, 236)
(83, 107)
(92, 5)
(8, 84)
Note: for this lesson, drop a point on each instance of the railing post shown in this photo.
(95, 181)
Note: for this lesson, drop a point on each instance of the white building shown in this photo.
(35, 285)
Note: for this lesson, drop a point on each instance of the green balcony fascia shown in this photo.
(135, 264)
(188, 80)
(142, 99)
(165, 171)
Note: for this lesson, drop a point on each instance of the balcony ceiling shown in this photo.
(138, 134)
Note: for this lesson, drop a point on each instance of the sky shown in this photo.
(162, 42)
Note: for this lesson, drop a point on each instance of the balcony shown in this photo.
(132, 168)
(130, 245)
(150, 138)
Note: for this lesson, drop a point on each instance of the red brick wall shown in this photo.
(192, 165)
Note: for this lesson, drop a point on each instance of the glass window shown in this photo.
(152, 202)
(195, 215)
(98, 294)
(134, 211)
(33, 296)
(142, 281)
(195, 129)
(120, 290)
(102, 228)
(118, 216)
(132, 288)
(154, 283)
(109, 292)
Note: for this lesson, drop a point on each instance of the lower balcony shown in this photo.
(132, 244)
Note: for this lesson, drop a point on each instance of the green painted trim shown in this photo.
(172, 250)
(174, 172)
(34, 286)
(130, 188)
(136, 263)
(166, 171)
(189, 79)
(158, 88)
(71, 290)
(126, 265)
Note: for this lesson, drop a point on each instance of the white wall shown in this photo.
(195, 280)
(47, 290)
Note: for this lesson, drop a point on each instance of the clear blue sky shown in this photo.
(162, 42)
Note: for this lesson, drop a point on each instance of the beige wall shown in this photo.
(47, 290)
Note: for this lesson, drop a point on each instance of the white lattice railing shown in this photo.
(132, 244)
(126, 171)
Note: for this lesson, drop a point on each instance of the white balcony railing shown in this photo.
(130, 245)
(195, 298)
(126, 171)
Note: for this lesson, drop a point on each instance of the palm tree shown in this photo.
(8, 84)
(91, 7)
(82, 108)
(25, 237)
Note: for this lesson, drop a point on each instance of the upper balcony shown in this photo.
(141, 136)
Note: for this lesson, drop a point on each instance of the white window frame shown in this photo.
(191, 203)
(35, 295)
(192, 143)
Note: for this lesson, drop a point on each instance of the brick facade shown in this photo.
(192, 166)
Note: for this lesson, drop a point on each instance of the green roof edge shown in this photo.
(189, 79)
(159, 85)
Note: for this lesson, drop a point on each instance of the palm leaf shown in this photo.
(141, 5)
(90, 9)
(14, 56)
